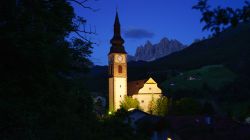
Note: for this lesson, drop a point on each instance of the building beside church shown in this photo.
(142, 90)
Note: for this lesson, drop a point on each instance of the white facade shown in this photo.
(120, 90)
(148, 92)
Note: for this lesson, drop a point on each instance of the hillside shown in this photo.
(213, 77)
(230, 48)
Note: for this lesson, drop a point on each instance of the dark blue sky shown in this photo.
(143, 20)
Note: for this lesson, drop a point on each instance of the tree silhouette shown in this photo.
(216, 20)
(42, 80)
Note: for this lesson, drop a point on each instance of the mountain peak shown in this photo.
(148, 43)
(150, 52)
(164, 39)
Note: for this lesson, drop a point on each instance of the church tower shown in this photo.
(117, 61)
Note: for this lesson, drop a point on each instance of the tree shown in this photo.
(42, 78)
(152, 106)
(219, 18)
(158, 107)
(162, 106)
(129, 103)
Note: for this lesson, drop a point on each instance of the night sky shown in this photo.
(143, 20)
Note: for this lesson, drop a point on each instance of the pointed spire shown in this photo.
(117, 41)
(117, 22)
(117, 28)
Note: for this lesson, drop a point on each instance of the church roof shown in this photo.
(135, 86)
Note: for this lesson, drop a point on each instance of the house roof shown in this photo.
(135, 111)
(146, 116)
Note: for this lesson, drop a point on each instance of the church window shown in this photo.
(120, 69)
(142, 101)
(150, 88)
(120, 86)
(120, 95)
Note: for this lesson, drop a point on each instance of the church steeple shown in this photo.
(117, 41)
(117, 25)
(117, 61)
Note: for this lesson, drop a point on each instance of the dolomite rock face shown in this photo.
(150, 52)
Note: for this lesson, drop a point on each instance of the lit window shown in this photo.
(119, 69)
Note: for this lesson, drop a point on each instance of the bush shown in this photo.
(159, 107)
(129, 103)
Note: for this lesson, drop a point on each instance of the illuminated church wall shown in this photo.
(150, 87)
(111, 94)
(145, 100)
(120, 91)
(146, 93)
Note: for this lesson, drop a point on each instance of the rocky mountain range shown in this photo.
(150, 52)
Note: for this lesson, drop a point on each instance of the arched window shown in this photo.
(119, 69)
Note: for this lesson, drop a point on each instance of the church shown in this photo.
(142, 90)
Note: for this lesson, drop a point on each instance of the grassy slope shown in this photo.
(214, 76)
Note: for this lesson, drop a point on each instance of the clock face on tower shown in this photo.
(119, 58)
